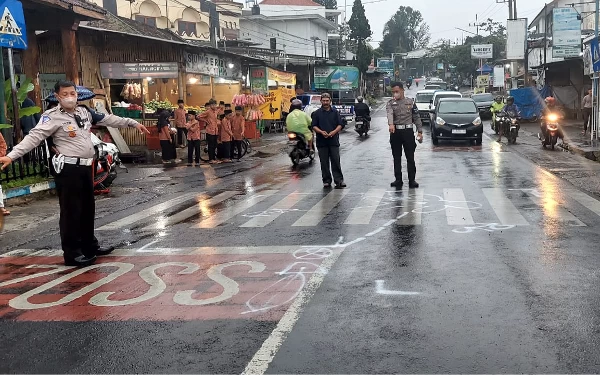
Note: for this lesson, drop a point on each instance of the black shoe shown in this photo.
(340, 185)
(413, 184)
(326, 185)
(104, 251)
(397, 184)
(81, 261)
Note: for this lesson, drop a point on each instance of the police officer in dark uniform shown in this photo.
(70, 126)
(403, 117)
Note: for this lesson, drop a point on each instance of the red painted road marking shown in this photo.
(179, 287)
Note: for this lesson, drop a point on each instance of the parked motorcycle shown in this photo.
(107, 161)
(362, 125)
(298, 148)
(553, 131)
(509, 123)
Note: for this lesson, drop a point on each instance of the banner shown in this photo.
(259, 83)
(386, 65)
(499, 76)
(286, 97)
(483, 81)
(482, 51)
(271, 109)
(336, 77)
(516, 31)
(282, 78)
(566, 32)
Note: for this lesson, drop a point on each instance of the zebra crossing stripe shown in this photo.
(457, 209)
(585, 200)
(274, 211)
(506, 212)
(230, 212)
(367, 206)
(321, 209)
(553, 210)
(152, 211)
(200, 208)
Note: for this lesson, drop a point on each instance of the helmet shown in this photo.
(360, 99)
(498, 99)
(510, 100)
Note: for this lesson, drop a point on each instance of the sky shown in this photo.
(443, 16)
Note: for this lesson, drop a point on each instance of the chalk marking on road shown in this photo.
(236, 209)
(380, 289)
(458, 213)
(201, 208)
(314, 216)
(143, 248)
(158, 209)
(273, 212)
(503, 207)
(585, 200)
(363, 215)
(490, 227)
(553, 210)
(371, 234)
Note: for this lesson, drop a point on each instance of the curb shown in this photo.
(23, 191)
(590, 155)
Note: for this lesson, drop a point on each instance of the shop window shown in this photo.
(147, 20)
(188, 28)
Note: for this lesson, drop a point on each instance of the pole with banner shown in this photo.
(13, 35)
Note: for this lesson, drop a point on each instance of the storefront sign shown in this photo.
(271, 109)
(483, 81)
(282, 78)
(139, 70)
(286, 97)
(213, 65)
(336, 77)
(566, 32)
(259, 83)
(482, 51)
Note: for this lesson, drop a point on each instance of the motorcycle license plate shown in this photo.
(459, 131)
(359, 122)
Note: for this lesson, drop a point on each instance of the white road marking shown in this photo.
(552, 209)
(274, 211)
(230, 212)
(457, 209)
(585, 200)
(414, 201)
(503, 207)
(380, 289)
(202, 207)
(156, 210)
(321, 209)
(367, 206)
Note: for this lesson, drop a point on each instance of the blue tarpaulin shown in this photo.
(530, 101)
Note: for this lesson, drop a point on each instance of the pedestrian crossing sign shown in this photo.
(12, 25)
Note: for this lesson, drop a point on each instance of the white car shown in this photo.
(442, 94)
(422, 100)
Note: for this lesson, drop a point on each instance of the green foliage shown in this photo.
(23, 182)
(26, 88)
(405, 31)
(364, 54)
(359, 24)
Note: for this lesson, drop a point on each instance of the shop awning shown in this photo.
(121, 25)
(206, 47)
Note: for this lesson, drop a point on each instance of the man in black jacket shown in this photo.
(327, 123)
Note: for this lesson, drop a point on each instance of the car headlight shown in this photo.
(514, 121)
(440, 121)
(477, 121)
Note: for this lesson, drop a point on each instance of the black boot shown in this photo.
(413, 184)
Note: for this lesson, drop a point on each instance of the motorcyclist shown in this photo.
(551, 108)
(298, 121)
(361, 109)
(497, 106)
(512, 109)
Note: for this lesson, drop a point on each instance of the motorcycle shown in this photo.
(298, 148)
(408, 84)
(362, 125)
(553, 131)
(107, 161)
(509, 122)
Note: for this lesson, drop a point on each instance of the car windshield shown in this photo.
(449, 95)
(432, 87)
(443, 85)
(424, 98)
(457, 107)
(483, 98)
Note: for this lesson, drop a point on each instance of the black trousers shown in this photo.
(329, 156)
(404, 139)
(181, 136)
(587, 119)
(212, 146)
(236, 145)
(75, 190)
(168, 150)
(225, 150)
(193, 146)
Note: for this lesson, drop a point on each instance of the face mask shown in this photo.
(68, 103)
(397, 95)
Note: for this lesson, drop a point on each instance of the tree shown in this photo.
(328, 4)
(364, 54)
(360, 30)
(405, 31)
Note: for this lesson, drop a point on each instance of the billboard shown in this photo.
(498, 76)
(566, 32)
(482, 51)
(336, 77)
(516, 31)
(386, 65)
(440, 66)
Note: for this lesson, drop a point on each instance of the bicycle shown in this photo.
(246, 148)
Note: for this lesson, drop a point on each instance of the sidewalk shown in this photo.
(576, 142)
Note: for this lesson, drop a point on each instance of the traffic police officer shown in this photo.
(70, 126)
(403, 116)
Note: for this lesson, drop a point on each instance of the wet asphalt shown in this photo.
(432, 282)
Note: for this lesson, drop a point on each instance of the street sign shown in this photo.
(12, 25)
(566, 32)
(595, 52)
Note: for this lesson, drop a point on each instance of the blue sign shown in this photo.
(12, 25)
(595, 54)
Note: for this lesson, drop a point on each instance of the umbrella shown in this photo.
(485, 69)
(83, 93)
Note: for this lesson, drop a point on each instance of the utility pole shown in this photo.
(510, 10)
(595, 86)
